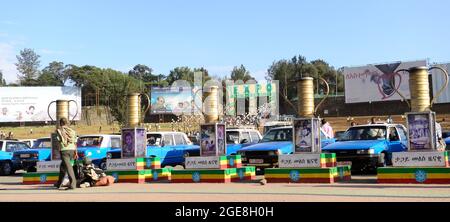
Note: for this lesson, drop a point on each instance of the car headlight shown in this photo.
(368, 151)
(272, 153)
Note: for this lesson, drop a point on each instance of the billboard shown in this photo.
(307, 135)
(438, 82)
(176, 100)
(29, 104)
(378, 82)
(421, 131)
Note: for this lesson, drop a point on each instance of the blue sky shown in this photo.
(218, 35)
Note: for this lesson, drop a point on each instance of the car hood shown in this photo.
(267, 146)
(354, 145)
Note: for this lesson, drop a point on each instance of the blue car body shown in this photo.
(41, 151)
(8, 163)
(265, 153)
(97, 146)
(447, 142)
(172, 151)
(366, 152)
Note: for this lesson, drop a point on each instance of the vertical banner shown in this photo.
(421, 131)
(56, 155)
(240, 98)
(141, 142)
(230, 107)
(273, 98)
(307, 135)
(208, 140)
(252, 98)
(221, 146)
(128, 143)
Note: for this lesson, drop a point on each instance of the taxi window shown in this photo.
(168, 140)
(115, 142)
(255, 137)
(11, 146)
(179, 139)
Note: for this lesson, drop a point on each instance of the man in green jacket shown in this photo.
(67, 139)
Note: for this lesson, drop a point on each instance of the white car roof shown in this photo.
(165, 132)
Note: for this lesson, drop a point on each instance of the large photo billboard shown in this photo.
(176, 100)
(378, 82)
(30, 104)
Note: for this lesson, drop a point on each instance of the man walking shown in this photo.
(67, 139)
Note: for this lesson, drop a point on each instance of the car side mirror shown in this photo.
(244, 141)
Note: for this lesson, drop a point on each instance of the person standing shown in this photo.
(67, 139)
(326, 127)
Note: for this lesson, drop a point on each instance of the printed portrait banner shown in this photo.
(134, 142)
(55, 155)
(221, 145)
(30, 104)
(208, 140)
(307, 135)
(176, 100)
(373, 83)
(421, 131)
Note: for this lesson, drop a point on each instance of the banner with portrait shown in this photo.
(307, 135)
(212, 141)
(421, 131)
(134, 142)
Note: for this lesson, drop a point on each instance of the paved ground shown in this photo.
(361, 188)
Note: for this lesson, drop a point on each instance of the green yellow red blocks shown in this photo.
(159, 175)
(328, 160)
(202, 176)
(417, 175)
(241, 174)
(129, 176)
(148, 163)
(343, 173)
(234, 161)
(40, 178)
(300, 175)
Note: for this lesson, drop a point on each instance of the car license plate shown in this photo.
(344, 163)
(256, 161)
(24, 155)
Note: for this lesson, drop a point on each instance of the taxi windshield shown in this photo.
(90, 141)
(42, 144)
(278, 135)
(365, 133)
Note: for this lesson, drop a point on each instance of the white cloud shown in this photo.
(51, 52)
(7, 60)
(8, 22)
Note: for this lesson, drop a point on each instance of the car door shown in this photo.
(180, 147)
(394, 142)
(168, 151)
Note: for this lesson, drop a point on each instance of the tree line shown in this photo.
(115, 84)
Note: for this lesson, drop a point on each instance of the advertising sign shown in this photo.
(134, 142)
(121, 164)
(176, 100)
(307, 135)
(421, 131)
(379, 82)
(30, 104)
(210, 162)
(212, 141)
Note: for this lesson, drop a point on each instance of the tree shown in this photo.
(241, 73)
(55, 74)
(2, 80)
(28, 65)
(185, 73)
(142, 72)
